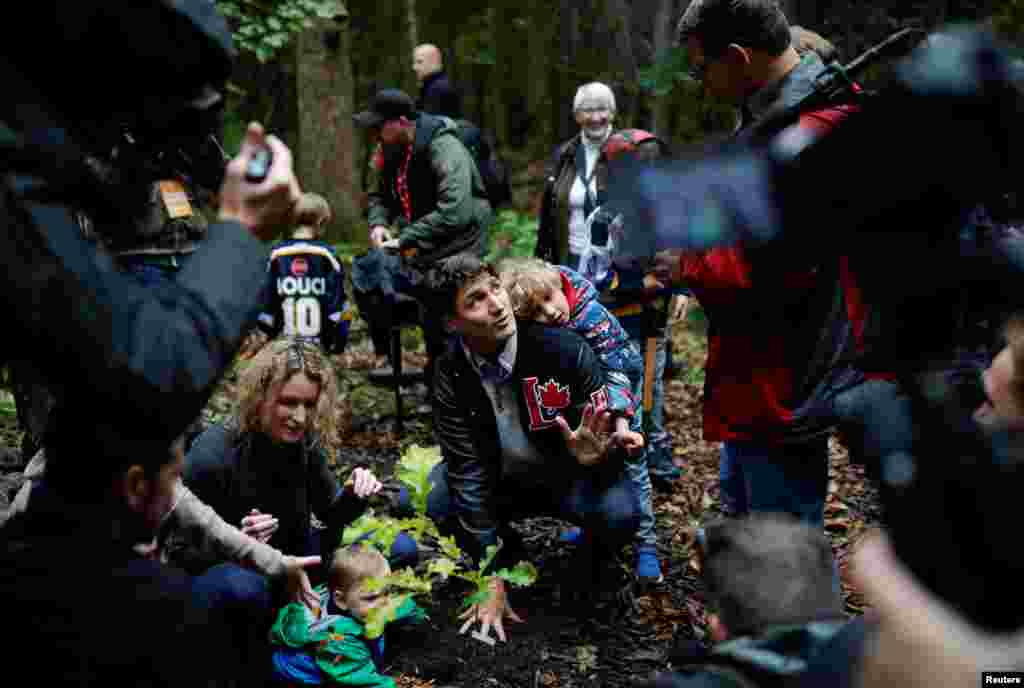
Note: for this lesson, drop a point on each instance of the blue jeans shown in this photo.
(243, 602)
(875, 418)
(637, 470)
(790, 479)
(611, 514)
(659, 453)
(783, 478)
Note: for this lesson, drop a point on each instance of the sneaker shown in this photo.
(648, 568)
(572, 536)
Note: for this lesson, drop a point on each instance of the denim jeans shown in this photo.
(638, 471)
(875, 419)
(611, 514)
(659, 452)
(784, 478)
(244, 602)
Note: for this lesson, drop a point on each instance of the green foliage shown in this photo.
(413, 470)
(522, 574)
(662, 76)
(7, 407)
(1008, 19)
(379, 618)
(513, 235)
(264, 27)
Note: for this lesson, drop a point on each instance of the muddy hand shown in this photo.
(589, 442)
(490, 613)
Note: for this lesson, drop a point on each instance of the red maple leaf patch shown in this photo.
(554, 395)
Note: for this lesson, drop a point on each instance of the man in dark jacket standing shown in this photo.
(506, 395)
(429, 190)
(437, 95)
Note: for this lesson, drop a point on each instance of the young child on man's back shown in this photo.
(329, 645)
(561, 297)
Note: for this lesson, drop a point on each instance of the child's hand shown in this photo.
(623, 437)
(652, 283)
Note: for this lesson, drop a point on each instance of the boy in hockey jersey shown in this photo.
(305, 292)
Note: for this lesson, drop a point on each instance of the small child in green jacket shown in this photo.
(328, 645)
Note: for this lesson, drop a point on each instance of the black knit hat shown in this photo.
(387, 104)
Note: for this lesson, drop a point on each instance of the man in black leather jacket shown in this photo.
(506, 396)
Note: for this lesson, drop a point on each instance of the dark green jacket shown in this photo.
(450, 211)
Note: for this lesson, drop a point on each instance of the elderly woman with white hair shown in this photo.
(576, 177)
(576, 184)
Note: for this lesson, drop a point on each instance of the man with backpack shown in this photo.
(777, 331)
(430, 202)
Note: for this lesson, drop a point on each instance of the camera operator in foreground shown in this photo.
(135, 364)
(92, 327)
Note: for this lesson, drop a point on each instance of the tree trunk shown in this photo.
(541, 56)
(663, 36)
(563, 85)
(618, 18)
(499, 30)
(412, 25)
(327, 139)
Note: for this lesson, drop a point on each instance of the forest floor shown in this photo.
(564, 642)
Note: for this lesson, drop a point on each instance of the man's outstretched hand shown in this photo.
(589, 442)
(490, 613)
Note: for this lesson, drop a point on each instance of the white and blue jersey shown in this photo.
(305, 294)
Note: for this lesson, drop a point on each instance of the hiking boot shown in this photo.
(648, 568)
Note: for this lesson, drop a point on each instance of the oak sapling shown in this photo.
(413, 471)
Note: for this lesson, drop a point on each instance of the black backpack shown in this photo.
(837, 85)
(492, 168)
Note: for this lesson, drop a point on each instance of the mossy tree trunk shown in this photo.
(326, 160)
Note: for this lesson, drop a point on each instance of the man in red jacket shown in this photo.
(775, 334)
